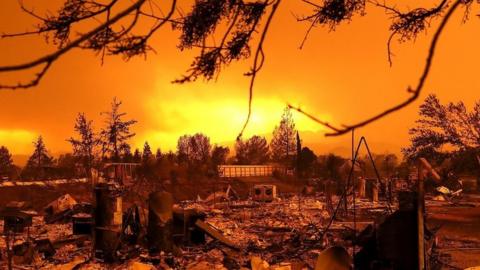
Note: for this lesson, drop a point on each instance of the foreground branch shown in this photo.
(50, 58)
(257, 65)
(414, 91)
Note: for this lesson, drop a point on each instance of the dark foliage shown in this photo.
(40, 165)
(194, 150)
(446, 132)
(333, 12)
(201, 22)
(147, 155)
(444, 129)
(65, 167)
(330, 166)
(283, 144)
(6, 162)
(84, 146)
(306, 162)
(252, 151)
(219, 155)
(116, 132)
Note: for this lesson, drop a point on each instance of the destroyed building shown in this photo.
(261, 228)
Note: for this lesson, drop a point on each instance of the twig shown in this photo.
(165, 20)
(324, 123)
(259, 56)
(33, 82)
(414, 91)
(50, 58)
(397, 14)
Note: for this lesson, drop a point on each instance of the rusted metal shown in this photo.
(108, 221)
(15, 220)
(82, 224)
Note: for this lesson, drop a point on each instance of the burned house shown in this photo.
(269, 229)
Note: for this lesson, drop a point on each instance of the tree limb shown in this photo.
(415, 91)
(50, 58)
(257, 65)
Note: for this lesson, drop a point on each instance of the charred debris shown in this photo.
(371, 224)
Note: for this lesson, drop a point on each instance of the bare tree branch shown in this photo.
(408, 24)
(34, 81)
(62, 22)
(161, 21)
(98, 38)
(257, 65)
(415, 91)
(241, 19)
(331, 13)
(323, 123)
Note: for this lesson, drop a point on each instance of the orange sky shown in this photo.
(343, 76)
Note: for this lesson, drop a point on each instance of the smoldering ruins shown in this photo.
(270, 206)
(250, 217)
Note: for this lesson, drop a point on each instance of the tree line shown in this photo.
(195, 153)
(448, 135)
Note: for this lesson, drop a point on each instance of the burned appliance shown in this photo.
(264, 193)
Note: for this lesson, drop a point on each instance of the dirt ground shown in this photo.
(459, 233)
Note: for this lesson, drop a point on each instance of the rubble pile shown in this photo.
(262, 232)
(283, 234)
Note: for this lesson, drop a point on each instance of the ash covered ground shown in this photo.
(237, 231)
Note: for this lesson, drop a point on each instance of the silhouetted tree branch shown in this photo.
(103, 36)
(407, 25)
(331, 13)
(257, 65)
(116, 35)
(415, 92)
